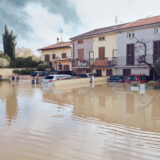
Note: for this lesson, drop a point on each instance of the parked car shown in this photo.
(94, 74)
(39, 73)
(137, 78)
(117, 78)
(72, 73)
(51, 78)
(82, 76)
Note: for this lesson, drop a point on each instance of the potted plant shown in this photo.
(153, 84)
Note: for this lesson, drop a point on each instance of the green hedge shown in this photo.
(26, 71)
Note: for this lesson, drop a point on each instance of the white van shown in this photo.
(51, 78)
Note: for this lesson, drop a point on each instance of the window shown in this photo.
(53, 56)
(60, 67)
(130, 54)
(66, 67)
(130, 35)
(64, 55)
(126, 72)
(81, 54)
(101, 52)
(99, 72)
(109, 72)
(156, 51)
(157, 31)
(101, 38)
(80, 41)
(47, 57)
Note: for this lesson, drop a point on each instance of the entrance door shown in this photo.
(126, 72)
(66, 67)
(99, 72)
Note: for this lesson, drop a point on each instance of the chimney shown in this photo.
(58, 40)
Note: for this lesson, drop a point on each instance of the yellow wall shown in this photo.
(6, 72)
(109, 43)
(57, 52)
(80, 81)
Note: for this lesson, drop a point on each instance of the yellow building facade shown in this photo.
(109, 43)
(60, 54)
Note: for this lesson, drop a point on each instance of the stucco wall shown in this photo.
(144, 71)
(6, 72)
(57, 52)
(146, 35)
(87, 45)
(110, 43)
(80, 81)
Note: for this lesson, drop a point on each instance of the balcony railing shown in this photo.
(95, 62)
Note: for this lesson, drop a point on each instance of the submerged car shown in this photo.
(137, 78)
(82, 76)
(117, 78)
(39, 74)
(51, 78)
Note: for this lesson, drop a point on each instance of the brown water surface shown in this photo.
(100, 123)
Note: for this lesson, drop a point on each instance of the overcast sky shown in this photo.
(37, 23)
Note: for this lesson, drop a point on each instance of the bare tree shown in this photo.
(142, 58)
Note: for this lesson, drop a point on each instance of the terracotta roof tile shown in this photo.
(142, 22)
(57, 45)
(99, 31)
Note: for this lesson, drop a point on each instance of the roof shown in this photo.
(142, 22)
(58, 46)
(99, 31)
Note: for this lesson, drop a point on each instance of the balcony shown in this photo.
(106, 62)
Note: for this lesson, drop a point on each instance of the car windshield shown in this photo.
(49, 77)
(34, 74)
(82, 75)
(115, 77)
(133, 78)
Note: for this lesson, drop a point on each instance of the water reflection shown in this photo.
(82, 122)
(9, 94)
(116, 105)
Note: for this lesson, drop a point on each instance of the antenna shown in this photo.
(61, 32)
(116, 20)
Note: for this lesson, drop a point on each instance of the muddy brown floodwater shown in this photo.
(85, 123)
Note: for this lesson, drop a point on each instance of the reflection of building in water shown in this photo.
(11, 104)
(115, 105)
(9, 94)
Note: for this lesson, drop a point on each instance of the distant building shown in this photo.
(60, 54)
(129, 51)
(95, 51)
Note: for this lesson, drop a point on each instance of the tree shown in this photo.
(142, 58)
(9, 43)
(157, 68)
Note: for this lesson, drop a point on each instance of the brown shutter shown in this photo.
(101, 52)
(81, 54)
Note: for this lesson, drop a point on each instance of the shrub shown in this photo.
(4, 60)
(43, 66)
(26, 71)
(153, 83)
(134, 83)
(21, 62)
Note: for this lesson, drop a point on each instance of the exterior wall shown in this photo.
(144, 71)
(145, 35)
(57, 52)
(6, 72)
(110, 43)
(87, 45)
(79, 81)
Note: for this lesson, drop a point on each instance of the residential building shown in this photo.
(60, 54)
(95, 51)
(131, 41)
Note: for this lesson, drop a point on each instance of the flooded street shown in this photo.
(100, 123)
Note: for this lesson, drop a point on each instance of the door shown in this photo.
(126, 72)
(99, 72)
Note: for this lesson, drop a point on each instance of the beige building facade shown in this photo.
(59, 54)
